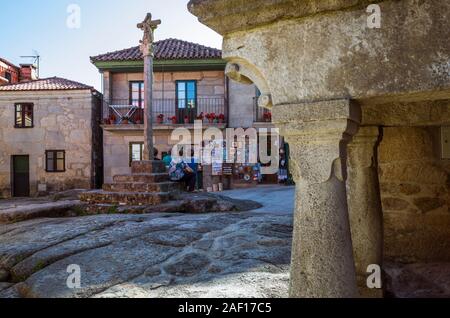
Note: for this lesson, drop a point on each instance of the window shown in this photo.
(186, 94)
(137, 94)
(23, 116)
(8, 77)
(136, 151)
(55, 161)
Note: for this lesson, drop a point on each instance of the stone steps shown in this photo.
(148, 184)
(139, 187)
(125, 198)
(142, 178)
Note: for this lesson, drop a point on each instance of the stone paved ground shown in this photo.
(243, 254)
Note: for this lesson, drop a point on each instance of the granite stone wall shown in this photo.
(415, 187)
(63, 120)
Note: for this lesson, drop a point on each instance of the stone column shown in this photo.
(107, 81)
(322, 259)
(148, 26)
(148, 107)
(364, 203)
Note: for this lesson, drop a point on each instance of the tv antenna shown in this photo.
(36, 60)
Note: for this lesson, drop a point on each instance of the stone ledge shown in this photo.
(38, 210)
(226, 16)
(124, 198)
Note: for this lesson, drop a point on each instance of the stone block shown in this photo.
(156, 166)
(139, 187)
(123, 198)
(145, 178)
(395, 204)
(429, 204)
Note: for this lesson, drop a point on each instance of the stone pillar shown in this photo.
(364, 203)
(148, 107)
(148, 26)
(322, 260)
(107, 92)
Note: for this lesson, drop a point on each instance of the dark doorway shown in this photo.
(20, 176)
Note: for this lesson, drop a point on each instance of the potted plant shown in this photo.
(201, 116)
(160, 119)
(268, 117)
(106, 121)
(221, 118)
(112, 119)
(186, 119)
(125, 120)
(173, 119)
(211, 117)
(138, 118)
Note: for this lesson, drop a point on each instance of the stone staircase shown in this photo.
(148, 184)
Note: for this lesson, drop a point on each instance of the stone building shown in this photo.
(189, 81)
(366, 112)
(50, 138)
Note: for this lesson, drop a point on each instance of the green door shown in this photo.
(21, 176)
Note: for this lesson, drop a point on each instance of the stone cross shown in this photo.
(148, 26)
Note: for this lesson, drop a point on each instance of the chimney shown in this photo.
(28, 72)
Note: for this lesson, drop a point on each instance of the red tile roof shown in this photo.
(170, 49)
(45, 84)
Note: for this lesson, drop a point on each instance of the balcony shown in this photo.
(261, 115)
(166, 111)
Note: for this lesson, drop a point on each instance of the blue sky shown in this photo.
(106, 25)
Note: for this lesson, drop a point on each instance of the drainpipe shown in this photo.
(227, 100)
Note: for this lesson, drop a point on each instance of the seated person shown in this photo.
(167, 160)
(180, 171)
(155, 154)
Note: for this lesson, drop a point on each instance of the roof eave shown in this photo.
(161, 65)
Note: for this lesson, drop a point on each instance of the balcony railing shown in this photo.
(165, 111)
(261, 114)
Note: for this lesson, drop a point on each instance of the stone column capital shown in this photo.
(366, 135)
(362, 147)
(318, 133)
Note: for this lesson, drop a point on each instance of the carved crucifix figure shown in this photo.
(148, 26)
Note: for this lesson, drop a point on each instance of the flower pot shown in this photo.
(220, 121)
(174, 121)
(186, 121)
(125, 122)
(159, 121)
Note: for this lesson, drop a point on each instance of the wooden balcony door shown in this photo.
(186, 102)
(20, 176)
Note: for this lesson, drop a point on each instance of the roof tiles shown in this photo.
(170, 49)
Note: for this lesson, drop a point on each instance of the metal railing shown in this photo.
(260, 114)
(165, 111)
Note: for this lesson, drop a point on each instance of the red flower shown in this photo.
(268, 115)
